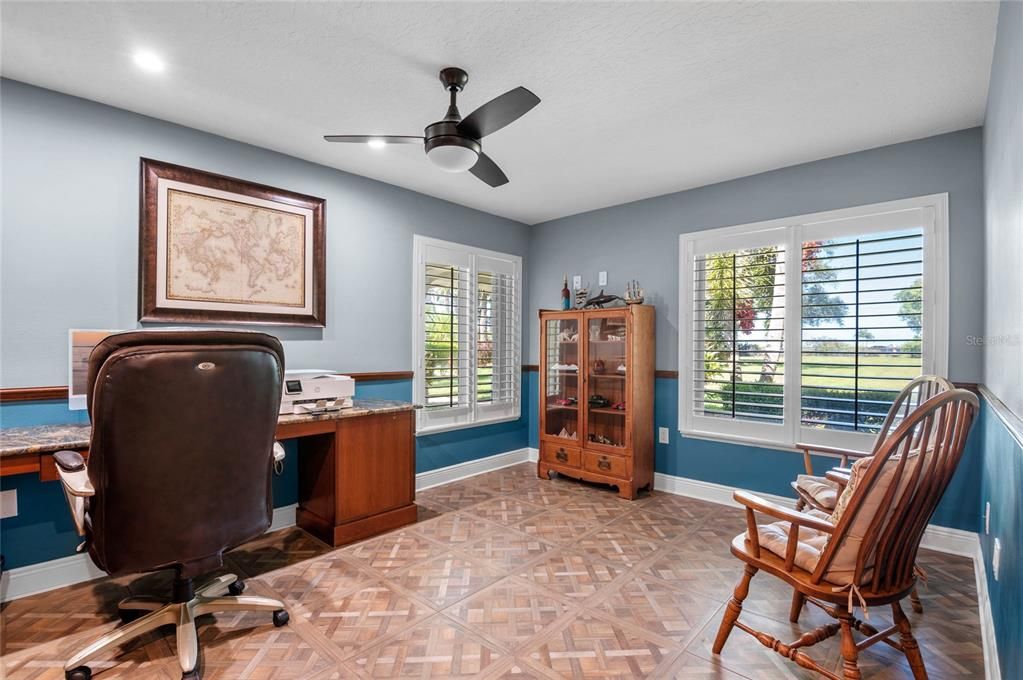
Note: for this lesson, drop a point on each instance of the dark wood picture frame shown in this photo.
(151, 171)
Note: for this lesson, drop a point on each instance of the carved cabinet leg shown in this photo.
(733, 609)
(909, 644)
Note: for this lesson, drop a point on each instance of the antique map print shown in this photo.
(224, 251)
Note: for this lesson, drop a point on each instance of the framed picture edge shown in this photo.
(150, 171)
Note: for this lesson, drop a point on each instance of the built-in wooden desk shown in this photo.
(357, 467)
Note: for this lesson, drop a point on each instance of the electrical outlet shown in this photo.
(663, 435)
(987, 518)
(602, 279)
(996, 558)
(577, 282)
(8, 503)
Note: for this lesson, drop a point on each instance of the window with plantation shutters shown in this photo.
(467, 338)
(805, 329)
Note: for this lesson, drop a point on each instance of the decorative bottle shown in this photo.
(566, 295)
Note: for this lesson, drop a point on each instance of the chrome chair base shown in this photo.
(208, 599)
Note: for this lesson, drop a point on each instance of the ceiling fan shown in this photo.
(453, 144)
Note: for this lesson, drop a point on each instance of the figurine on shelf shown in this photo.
(633, 293)
(580, 297)
(599, 301)
(566, 295)
(601, 439)
(598, 366)
(620, 369)
(599, 401)
(564, 433)
(567, 335)
(620, 406)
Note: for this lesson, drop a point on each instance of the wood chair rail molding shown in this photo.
(60, 392)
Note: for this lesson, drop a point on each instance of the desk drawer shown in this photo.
(606, 464)
(558, 454)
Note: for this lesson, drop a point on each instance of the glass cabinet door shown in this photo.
(562, 370)
(607, 380)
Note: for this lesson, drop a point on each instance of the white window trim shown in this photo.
(800, 227)
(475, 415)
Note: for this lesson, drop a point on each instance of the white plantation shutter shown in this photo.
(467, 316)
(498, 345)
(805, 329)
(736, 335)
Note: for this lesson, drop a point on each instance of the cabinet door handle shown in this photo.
(562, 455)
(604, 464)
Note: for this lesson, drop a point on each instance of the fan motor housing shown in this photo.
(445, 133)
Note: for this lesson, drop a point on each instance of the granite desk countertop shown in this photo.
(49, 438)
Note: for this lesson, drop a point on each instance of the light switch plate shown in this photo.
(8, 503)
(996, 558)
(987, 518)
(577, 282)
(602, 279)
(663, 435)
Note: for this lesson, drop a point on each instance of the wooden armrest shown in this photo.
(843, 454)
(796, 518)
(842, 470)
(840, 478)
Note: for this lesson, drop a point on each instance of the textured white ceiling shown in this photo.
(638, 99)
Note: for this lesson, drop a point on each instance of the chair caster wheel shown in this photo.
(191, 675)
(80, 673)
(281, 618)
(129, 615)
(236, 588)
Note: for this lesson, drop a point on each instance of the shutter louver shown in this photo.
(447, 346)
(738, 369)
(862, 323)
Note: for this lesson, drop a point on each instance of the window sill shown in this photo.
(427, 431)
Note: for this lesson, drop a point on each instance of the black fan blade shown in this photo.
(487, 170)
(363, 139)
(498, 112)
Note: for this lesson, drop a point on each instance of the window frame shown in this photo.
(474, 413)
(875, 217)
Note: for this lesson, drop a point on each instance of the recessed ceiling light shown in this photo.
(376, 143)
(147, 61)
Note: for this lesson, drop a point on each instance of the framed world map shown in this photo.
(215, 249)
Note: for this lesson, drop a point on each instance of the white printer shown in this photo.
(316, 391)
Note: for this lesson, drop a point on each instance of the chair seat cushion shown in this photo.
(823, 491)
(775, 537)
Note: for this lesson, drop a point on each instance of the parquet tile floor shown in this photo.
(504, 576)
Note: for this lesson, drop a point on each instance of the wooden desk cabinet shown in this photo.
(357, 478)
(597, 396)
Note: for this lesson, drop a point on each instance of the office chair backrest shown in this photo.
(183, 427)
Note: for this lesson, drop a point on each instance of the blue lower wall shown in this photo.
(43, 529)
(1001, 481)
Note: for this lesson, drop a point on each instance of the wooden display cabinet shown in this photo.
(597, 396)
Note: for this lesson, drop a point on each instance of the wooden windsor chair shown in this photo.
(820, 493)
(867, 555)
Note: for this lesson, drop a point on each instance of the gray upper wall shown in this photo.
(70, 235)
(640, 240)
(1003, 200)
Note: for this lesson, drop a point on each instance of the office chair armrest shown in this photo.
(74, 478)
(278, 453)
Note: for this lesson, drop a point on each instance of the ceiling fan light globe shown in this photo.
(452, 158)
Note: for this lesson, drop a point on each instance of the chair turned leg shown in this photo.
(909, 643)
(850, 666)
(798, 600)
(733, 609)
(914, 600)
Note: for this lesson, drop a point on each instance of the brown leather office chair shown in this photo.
(179, 471)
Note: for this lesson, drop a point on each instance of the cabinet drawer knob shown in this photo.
(562, 455)
(603, 463)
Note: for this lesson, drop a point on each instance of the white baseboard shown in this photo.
(471, 468)
(992, 670)
(66, 571)
(938, 538)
